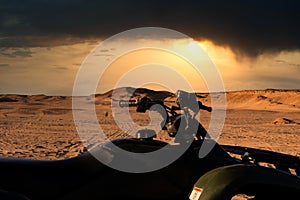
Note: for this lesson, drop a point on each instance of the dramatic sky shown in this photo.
(255, 44)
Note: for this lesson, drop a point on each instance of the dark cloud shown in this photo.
(248, 27)
(280, 61)
(294, 64)
(105, 55)
(13, 53)
(288, 63)
(76, 64)
(4, 65)
(60, 67)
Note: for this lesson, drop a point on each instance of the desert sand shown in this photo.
(42, 127)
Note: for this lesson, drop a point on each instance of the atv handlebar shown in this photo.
(142, 104)
(173, 118)
(145, 103)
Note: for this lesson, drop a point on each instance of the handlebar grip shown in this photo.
(127, 103)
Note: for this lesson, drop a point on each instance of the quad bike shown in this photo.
(218, 175)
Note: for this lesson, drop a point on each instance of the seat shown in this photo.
(39, 177)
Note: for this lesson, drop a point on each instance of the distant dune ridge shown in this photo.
(42, 127)
(247, 99)
(270, 99)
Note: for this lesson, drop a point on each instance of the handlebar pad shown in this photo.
(145, 104)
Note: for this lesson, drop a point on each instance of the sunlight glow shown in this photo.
(53, 70)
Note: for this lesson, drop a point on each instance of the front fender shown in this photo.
(225, 182)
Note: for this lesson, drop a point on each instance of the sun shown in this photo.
(192, 46)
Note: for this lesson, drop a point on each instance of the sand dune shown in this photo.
(265, 99)
(42, 127)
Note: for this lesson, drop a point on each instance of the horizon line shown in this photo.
(197, 92)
